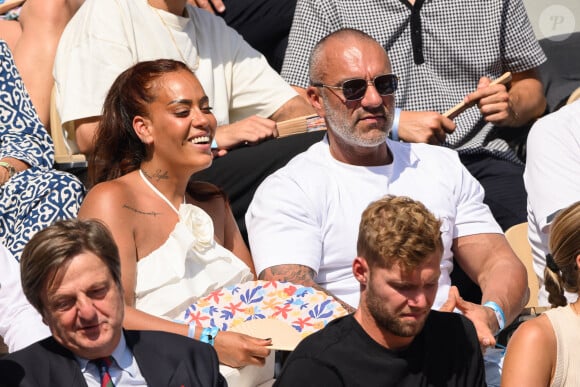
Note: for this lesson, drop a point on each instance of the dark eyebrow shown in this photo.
(104, 282)
(180, 101)
(204, 100)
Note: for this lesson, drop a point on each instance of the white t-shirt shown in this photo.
(308, 212)
(105, 37)
(20, 324)
(552, 179)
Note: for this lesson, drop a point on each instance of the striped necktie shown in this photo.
(103, 364)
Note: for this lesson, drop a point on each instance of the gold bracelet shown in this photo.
(9, 167)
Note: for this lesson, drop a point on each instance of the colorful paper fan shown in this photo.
(304, 308)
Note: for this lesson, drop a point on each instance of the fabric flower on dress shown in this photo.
(200, 224)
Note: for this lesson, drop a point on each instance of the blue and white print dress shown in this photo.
(35, 198)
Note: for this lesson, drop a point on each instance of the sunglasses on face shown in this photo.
(355, 89)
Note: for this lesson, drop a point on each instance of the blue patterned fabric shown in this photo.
(38, 196)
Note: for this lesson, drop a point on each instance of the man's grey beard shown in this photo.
(343, 129)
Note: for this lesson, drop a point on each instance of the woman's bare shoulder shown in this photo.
(531, 354)
(109, 195)
(533, 335)
(538, 329)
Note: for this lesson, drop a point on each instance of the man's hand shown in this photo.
(426, 127)
(490, 262)
(493, 102)
(451, 303)
(251, 130)
(482, 318)
(205, 4)
(238, 350)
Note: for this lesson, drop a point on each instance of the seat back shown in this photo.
(64, 157)
(517, 237)
(560, 74)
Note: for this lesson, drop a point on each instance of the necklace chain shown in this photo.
(196, 65)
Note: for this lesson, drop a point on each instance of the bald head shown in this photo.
(335, 44)
(357, 127)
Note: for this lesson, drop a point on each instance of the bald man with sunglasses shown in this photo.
(447, 52)
(302, 222)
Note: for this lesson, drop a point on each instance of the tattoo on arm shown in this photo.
(157, 175)
(300, 275)
(151, 213)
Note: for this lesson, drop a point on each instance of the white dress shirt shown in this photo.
(124, 371)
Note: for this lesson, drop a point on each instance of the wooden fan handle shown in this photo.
(462, 106)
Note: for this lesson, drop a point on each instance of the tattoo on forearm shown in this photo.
(291, 273)
(301, 275)
(157, 175)
(151, 213)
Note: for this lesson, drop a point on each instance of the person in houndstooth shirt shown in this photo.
(442, 51)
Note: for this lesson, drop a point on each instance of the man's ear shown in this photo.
(142, 127)
(313, 94)
(360, 269)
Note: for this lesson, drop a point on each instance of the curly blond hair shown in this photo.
(398, 230)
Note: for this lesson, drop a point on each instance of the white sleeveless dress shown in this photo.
(189, 265)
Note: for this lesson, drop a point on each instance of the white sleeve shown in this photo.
(20, 324)
(90, 56)
(250, 86)
(257, 89)
(282, 225)
(473, 215)
(553, 164)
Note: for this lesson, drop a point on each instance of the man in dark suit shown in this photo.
(71, 274)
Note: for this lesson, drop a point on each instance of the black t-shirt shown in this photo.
(445, 353)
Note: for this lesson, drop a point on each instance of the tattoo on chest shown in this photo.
(157, 175)
(150, 213)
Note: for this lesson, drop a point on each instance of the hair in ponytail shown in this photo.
(561, 272)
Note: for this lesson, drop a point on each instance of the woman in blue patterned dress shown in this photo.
(32, 194)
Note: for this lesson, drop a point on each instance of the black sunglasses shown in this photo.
(355, 89)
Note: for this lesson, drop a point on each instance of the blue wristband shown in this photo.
(191, 330)
(395, 126)
(498, 314)
(208, 335)
(214, 144)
